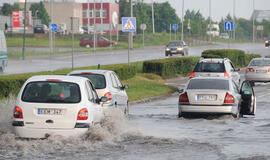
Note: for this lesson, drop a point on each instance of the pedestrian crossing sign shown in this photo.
(129, 24)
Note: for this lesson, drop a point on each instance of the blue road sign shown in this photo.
(175, 27)
(129, 24)
(53, 27)
(229, 26)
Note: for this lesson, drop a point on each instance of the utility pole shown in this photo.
(94, 25)
(88, 20)
(253, 23)
(24, 25)
(182, 33)
(131, 15)
(234, 19)
(72, 30)
(153, 17)
(210, 35)
(51, 32)
(101, 15)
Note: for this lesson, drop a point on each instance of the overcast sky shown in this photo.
(220, 8)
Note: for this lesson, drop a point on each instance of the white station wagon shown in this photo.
(107, 84)
(56, 105)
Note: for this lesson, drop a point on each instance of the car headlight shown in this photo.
(167, 49)
(266, 41)
(179, 49)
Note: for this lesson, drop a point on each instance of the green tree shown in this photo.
(8, 8)
(39, 11)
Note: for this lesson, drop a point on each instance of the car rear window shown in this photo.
(260, 63)
(51, 92)
(209, 67)
(217, 84)
(98, 80)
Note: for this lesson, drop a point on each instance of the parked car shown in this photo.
(107, 84)
(216, 95)
(258, 70)
(62, 29)
(56, 105)
(176, 47)
(100, 41)
(216, 67)
(224, 35)
(41, 28)
(3, 52)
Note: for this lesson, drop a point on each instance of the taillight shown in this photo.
(83, 114)
(183, 98)
(108, 95)
(226, 75)
(192, 74)
(229, 98)
(252, 70)
(268, 69)
(17, 113)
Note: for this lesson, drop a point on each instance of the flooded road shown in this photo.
(152, 132)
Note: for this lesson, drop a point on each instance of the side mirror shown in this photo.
(103, 99)
(125, 87)
(181, 91)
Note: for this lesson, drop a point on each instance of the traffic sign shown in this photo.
(229, 26)
(129, 24)
(143, 26)
(53, 27)
(175, 27)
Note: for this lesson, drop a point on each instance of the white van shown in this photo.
(213, 30)
(3, 51)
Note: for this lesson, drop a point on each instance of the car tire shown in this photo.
(126, 111)
(2, 69)
(87, 46)
(170, 54)
(180, 114)
(166, 54)
(238, 114)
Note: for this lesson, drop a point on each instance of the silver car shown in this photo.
(216, 95)
(216, 67)
(107, 84)
(258, 70)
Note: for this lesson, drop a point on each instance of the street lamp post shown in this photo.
(234, 18)
(253, 22)
(24, 25)
(182, 33)
(153, 17)
(210, 35)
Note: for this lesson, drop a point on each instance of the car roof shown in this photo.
(261, 59)
(216, 78)
(73, 79)
(92, 71)
(216, 60)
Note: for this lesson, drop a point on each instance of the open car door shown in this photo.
(248, 99)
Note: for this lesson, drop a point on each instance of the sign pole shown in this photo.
(174, 34)
(24, 24)
(170, 32)
(72, 30)
(129, 37)
(143, 37)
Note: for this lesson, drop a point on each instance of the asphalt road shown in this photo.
(53, 62)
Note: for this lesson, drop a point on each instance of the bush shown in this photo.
(170, 67)
(237, 57)
(249, 57)
(11, 84)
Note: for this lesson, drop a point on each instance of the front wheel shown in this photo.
(126, 111)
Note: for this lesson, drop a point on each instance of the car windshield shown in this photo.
(215, 84)
(51, 92)
(209, 67)
(98, 80)
(260, 63)
(173, 44)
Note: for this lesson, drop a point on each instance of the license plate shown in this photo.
(261, 71)
(206, 97)
(50, 111)
(173, 51)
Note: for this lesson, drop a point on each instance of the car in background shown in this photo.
(41, 28)
(100, 42)
(107, 84)
(56, 105)
(224, 35)
(216, 67)
(176, 47)
(258, 70)
(62, 29)
(267, 42)
(3, 52)
(216, 95)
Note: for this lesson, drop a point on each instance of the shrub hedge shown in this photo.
(170, 67)
(11, 84)
(249, 57)
(238, 57)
